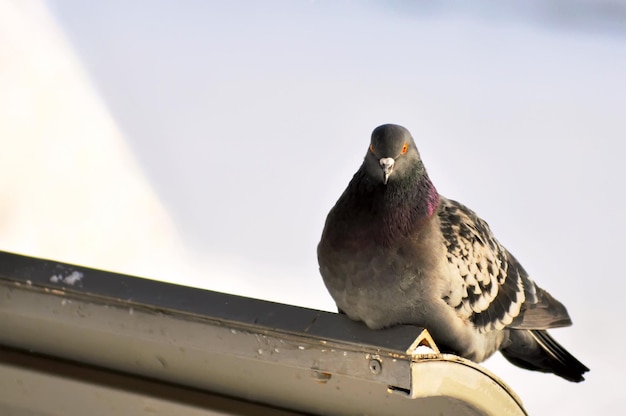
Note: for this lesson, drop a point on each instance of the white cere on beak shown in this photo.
(386, 163)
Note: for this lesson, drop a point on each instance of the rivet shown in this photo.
(375, 366)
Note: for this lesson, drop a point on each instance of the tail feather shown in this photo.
(537, 350)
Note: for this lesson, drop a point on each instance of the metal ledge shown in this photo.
(280, 355)
(34, 385)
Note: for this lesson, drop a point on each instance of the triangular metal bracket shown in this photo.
(423, 345)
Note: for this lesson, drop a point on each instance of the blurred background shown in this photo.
(203, 143)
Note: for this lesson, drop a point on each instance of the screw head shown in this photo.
(375, 366)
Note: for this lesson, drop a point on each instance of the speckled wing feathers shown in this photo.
(494, 288)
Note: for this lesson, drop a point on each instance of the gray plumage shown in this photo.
(394, 251)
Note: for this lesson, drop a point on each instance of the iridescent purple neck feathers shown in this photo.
(386, 213)
(406, 207)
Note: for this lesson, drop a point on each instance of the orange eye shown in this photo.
(405, 148)
(372, 148)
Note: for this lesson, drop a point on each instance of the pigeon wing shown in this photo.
(496, 291)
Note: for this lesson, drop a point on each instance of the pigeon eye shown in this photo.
(405, 148)
(372, 148)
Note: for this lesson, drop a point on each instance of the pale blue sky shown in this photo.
(249, 119)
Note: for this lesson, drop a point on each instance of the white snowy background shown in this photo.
(203, 143)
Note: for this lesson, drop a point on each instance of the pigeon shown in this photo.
(393, 251)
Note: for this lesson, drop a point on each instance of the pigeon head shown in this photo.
(392, 154)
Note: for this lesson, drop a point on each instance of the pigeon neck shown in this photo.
(431, 197)
(409, 205)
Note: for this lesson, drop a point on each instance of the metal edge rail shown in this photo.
(282, 355)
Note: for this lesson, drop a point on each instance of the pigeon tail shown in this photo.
(537, 350)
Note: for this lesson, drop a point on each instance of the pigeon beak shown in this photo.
(386, 164)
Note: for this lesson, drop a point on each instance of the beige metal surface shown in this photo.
(32, 385)
(289, 370)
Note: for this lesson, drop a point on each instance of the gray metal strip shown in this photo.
(290, 357)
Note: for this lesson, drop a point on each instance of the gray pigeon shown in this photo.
(394, 251)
